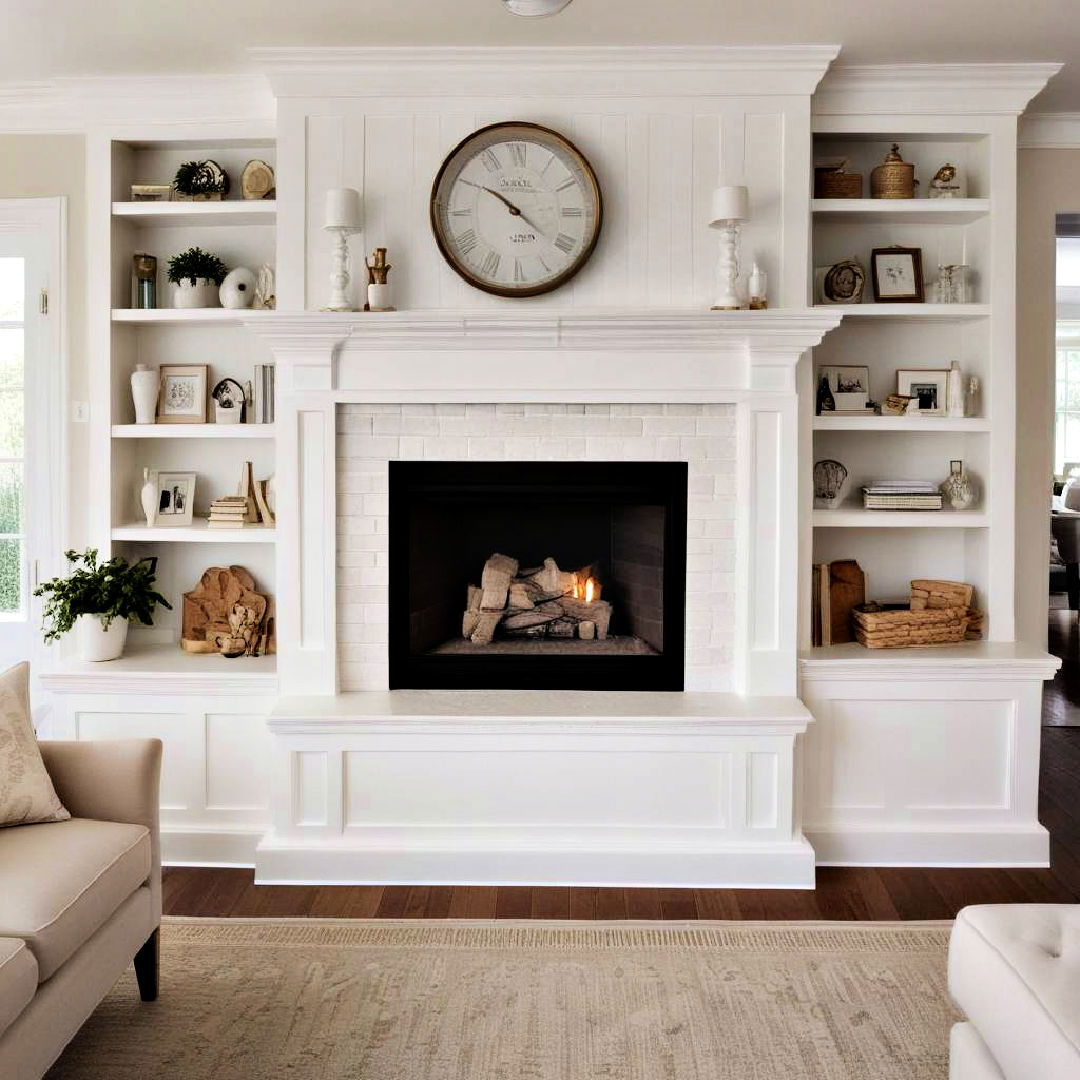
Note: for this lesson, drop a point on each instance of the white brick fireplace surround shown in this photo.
(524, 786)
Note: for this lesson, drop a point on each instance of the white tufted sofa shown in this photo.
(1014, 970)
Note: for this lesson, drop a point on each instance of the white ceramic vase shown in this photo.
(148, 497)
(144, 393)
(95, 643)
(203, 294)
(238, 289)
(378, 298)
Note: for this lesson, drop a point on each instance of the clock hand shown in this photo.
(515, 211)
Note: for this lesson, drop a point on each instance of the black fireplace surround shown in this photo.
(625, 519)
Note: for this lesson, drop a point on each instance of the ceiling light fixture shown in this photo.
(535, 9)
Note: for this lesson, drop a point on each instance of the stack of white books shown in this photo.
(902, 495)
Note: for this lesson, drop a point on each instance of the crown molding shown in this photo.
(927, 89)
(78, 104)
(1050, 131)
(584, 70)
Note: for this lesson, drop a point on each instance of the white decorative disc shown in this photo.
(533, 9)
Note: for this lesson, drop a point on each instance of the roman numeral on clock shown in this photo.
(465, 211)
(466, 241)
(490, 266)
(565, 243)
(517, 154)
(572, 211)
(491, 162)
(568, 183)
(519, 277)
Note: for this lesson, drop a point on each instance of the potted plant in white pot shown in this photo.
(196, 275)
(98, 601)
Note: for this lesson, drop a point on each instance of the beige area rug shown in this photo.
(382, 1000)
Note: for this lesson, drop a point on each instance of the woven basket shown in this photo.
(837, 184)
(906, 629)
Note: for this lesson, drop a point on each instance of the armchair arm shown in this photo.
(111, 780)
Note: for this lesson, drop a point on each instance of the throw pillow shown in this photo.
(27, 795)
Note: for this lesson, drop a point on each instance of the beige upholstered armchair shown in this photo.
(79, 899)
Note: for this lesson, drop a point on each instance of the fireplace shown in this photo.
(537, 575)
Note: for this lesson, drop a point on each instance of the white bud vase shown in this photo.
(144, 393)
(148, 497)
(378, 298)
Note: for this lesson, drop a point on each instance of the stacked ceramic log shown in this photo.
(939, 613)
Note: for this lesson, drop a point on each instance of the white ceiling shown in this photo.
(75, 37)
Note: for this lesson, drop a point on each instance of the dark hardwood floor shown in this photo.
(842, 893)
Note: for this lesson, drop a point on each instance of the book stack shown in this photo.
(260, 395)
(902, 495)
(228, 512)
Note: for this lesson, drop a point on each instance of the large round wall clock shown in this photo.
(516, 209)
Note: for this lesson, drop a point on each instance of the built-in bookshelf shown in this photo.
(242, 232)
(893, 547)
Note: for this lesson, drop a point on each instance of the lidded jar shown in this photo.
(894, 178)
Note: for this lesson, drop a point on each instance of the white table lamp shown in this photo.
(343, 218)
(730, 206)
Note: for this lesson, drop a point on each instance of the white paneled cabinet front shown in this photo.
(215, 765)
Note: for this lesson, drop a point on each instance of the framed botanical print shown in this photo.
(182, 398)
(897, 275)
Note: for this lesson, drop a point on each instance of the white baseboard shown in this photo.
(767, 866)
(1015, 847)
(205, 847)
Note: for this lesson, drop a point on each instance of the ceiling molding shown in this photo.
(80, 104)
(927, 89)
(1050, 131)
(592, 71)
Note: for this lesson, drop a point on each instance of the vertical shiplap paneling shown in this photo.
(683, 223)
(762, 163)
(420, 271)
(325, 156)
(354, 175)
(388, 172)
(706, 173)
(659, 212)
(637, 208)
(591, 287)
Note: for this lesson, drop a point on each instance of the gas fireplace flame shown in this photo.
(586, 589)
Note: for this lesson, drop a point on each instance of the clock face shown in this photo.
(516, 209)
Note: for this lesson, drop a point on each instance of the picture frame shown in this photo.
(897, 275)
(929, 388)
(175, 497)
(182, 396)
(849, 384)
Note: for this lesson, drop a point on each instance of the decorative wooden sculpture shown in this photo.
(225, 614)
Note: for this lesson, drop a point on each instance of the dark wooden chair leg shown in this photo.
(147, 961)
(1072, 585)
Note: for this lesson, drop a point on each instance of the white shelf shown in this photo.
(193, 431)
(855, 517)
(236, 212)
(214, 316)
(901, 211)
(942, 312)
(924, 424)
(198, 532)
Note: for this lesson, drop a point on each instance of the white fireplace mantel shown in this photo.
(451, 353)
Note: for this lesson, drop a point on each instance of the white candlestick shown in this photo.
(343, 218)
(730, 205)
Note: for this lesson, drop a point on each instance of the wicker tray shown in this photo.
(906, 629)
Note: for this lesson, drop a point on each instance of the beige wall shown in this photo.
(48, 165)
(1049, 184)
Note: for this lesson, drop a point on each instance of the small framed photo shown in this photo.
(897, 275)
(175, 497)
(850, 387)
(926, 386)
(182, 399)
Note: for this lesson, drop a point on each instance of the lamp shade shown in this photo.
(729, 204)
(342, 209)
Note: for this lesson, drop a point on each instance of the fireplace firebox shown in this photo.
(537, 575)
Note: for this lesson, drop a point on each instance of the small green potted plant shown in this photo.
(196, 275)
(98, 601)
